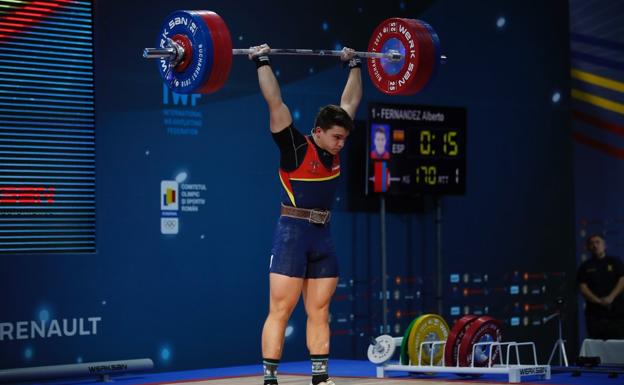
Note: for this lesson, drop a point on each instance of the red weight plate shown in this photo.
(433, 39)
(418, 62)
(426, 63)
(437, 60)
(185, 42)
(426, 59)
(222, 55)
(483, 329)
(393, 28)
(455, 336)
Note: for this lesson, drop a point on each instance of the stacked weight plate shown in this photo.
(469, 333)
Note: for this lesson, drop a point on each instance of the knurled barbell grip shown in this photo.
(393, 55)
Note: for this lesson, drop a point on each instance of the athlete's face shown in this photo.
(331, 140)
(380, 142)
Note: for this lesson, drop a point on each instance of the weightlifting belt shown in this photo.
(320, 217)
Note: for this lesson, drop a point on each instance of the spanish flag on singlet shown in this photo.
(312, 185)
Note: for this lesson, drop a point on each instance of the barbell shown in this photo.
(194, 52)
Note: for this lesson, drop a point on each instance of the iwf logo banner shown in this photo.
(181, 115)
(169, 206)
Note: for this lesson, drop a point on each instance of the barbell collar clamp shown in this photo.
(172, 53)
(376, 345)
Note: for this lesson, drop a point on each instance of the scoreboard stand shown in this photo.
(415, 150)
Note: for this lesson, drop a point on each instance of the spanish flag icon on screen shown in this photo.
(169, 195)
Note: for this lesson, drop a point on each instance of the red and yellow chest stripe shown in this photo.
(310, 170)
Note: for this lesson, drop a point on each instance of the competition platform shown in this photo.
(344, 372)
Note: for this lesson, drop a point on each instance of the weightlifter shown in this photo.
(303, 260)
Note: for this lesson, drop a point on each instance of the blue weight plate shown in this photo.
(389, 66)
(200, 65)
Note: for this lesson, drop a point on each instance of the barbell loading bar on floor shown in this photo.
(515, 372)
(194, 52)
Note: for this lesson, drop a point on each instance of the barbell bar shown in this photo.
(170, 53)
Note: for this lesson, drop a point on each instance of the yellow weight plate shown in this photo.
(428, 327)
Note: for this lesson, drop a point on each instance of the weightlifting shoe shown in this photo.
(328, 382)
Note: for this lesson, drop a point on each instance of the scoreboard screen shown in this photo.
(416, 149)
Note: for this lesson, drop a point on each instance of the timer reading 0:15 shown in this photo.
(449, 143)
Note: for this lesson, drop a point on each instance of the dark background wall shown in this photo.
(199, 298)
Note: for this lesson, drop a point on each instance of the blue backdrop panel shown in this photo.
(187, 191)
(598, 124)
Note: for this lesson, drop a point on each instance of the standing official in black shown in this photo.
(601, 283)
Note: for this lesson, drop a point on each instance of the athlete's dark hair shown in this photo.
(333, 115)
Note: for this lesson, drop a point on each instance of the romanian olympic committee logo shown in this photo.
(169, 205)
(169, 195)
